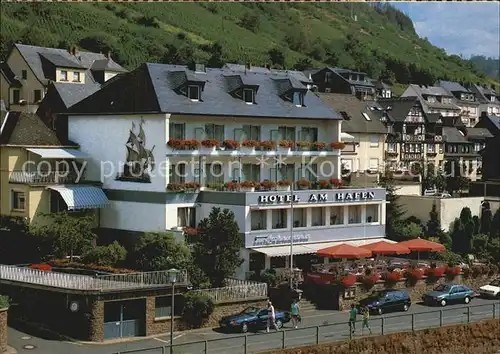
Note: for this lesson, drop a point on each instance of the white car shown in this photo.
(491, 290)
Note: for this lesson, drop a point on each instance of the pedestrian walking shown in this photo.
(295, 313)
(271, 317)
(352, 318)
(366, 318)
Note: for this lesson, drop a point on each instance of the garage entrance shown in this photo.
(124, 318)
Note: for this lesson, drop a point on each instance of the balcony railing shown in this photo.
(46, 177)
(411, 156)
(410, 138)
(112, 282)
(238, 290)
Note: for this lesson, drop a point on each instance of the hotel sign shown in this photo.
(316, 197)
(277, 239)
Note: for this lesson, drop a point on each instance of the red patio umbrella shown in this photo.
(344, 250)
(384, 247)
(421, 245)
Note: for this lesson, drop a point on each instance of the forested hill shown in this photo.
(488, 66)
(375, 38)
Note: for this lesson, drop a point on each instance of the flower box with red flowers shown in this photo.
(250, 144)
(303, 184)
(287, 144)
(43, 267)
(191, 144)
(175, 187)
(392, 276)
(248, 184)
(323, 184)
(231, 144)
(232, 186)
(210, 143)
(414, 274)
(304, 145)
(191, 185)
(268, 145)
(336, 182)
(319, 145)
(284, 183)
(177, 144)
(348, 280)
(337, 145)
(453, 271)
(267, 185)
(436, 272)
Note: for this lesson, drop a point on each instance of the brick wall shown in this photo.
(3, 330)
(96, 321)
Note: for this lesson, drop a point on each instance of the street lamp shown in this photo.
(172, 278)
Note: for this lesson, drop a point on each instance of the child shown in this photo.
(295, 313)
(366, 317)
(352, 318)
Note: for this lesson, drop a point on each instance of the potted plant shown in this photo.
(247, 186)
(391, 277)
(319, 146)
(413, 275)
(347, 280)
(232, 186)
(283, 185)
(176, 144)
(191, 144)
(303, 184)
(323, 184)
(285, 146)
(336, 182)
(248, 146)
(191, 186)
(304, 145)
(452, 271)
(434, 273)
(175, 187)
(230, 144)
(267, 185)
(337, 145)
(268, 145)
(209, 145)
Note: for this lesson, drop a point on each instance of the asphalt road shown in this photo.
(332, 327)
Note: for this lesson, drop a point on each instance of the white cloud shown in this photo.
(460, 28)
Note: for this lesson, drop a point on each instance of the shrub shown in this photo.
(434, 272)
(109, 255)
(268, 145)
(477, 270)
(369, 280)
(347, 280)
(4, 301)
(197, 308)
(64, 263)
(190, 231)
(268, 276)
(493, 269)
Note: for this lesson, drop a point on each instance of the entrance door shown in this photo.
(124, 318)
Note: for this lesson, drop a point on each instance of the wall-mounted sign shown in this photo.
(278, 239)
(315, 197)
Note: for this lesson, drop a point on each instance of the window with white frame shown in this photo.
(299, 217)
(336, 215)
(286, 173)
(308, 134)
(186, 217)
(298, 99)
(431, 148)
(310, 172)
(286, 133)
(250, 172)
(373, 164)
(391, 147)
(214, 173)
(194, 92)
(374, 140)
(76, 76)
(18, 200)
(177, 131)
(249, 96)
(372, 213)
(214, 131)
(365, 115)
(279, 218)
(177, 173)
(354, 214)
(318, 216)
(258, 220)
(251, 132)
(64, 75)
(163, 307)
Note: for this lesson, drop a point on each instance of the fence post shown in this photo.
(206, 347)
(317, 332)
(413, 322)
(494, 310)
(440, 318)
(283, 339)
(245, 349)
(163, 350)
(382, 325)
(468, 314)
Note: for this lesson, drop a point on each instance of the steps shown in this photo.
(306, 306)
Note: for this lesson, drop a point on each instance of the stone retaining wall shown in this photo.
(3, 330)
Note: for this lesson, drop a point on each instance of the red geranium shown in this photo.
(392, 276)
(437, 272)
(414, 274)
(348, 280)
(42, 267)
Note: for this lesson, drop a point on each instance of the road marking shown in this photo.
(168, 341)
(74, 343)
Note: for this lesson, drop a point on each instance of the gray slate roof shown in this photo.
(451, 86)
(481, 93)
(420, 91)
(73, 93)
(354, 109)
(62, 61)
(478, 133)
(298, 75)
(368, 82)
(9, 75)
(399, 107)
(453, 135)
(33, 54)
(433, 117)
(149, 89)
(495, 120)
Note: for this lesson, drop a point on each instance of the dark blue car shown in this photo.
(252, 318)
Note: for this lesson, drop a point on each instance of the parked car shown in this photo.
(444, 294)
(389, 300)
(252, 318)
(492, 290)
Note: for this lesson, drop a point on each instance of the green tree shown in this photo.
(110, 255)
(68, 234)
(394, 210)
(303, 64)
(217, 55)
(317, 51)
(410, 231)
(217, 250)
(495, 225)
(160, 251)
(250, 21)
(462, 232)
(486, 221)
(433, 228)
(480, 246)
(277, 57)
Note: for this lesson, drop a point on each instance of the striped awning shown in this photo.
(82, 197)
(58, 153)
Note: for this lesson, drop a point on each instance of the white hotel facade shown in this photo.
(157, 112)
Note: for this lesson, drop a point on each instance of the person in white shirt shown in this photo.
(271, 317)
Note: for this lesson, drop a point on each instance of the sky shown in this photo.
(466, 28)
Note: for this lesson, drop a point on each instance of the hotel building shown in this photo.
(170, 142)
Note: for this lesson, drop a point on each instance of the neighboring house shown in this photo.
(29, 70)
(383, 90)
(464, 99)
(487, 97)
(363, 123)
(164, 140)
(458, 148)
(489, 186)
(479, 137)
(40, 175)
(434, 100)
(414, 135)
(490, 122)
(338, 80)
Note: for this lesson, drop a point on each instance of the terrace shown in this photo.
(75, 282)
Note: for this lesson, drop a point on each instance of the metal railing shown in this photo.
(237, 290)
(45, 177)
(84, 282)
(326, 333)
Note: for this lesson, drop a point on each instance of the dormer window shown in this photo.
(193, 92)
(298, 99)
(76, 76)
(64, 75)
(248, 96)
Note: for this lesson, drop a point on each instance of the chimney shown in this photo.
(70, 49)
(75, 51)
(249, 66)
(108, 55)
